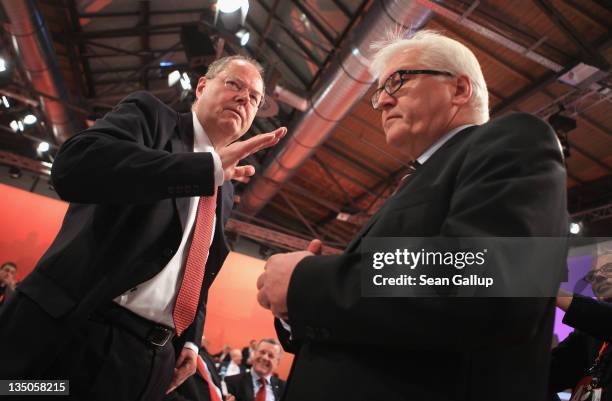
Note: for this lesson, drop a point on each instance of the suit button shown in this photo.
(167, 252)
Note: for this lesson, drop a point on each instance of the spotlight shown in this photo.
(14, 126)
(30, 119)
(230, 6)
(575, 228)
(173, 77)
(14, 172)
(43, 147)
(185, 82)
(244, 36)
(232, 14)
(562, 126)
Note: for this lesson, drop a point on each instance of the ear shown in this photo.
(463, 90)
(200, 88)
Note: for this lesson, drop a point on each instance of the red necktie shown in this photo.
(189, 293)
(261, 393)
(214, 396)
(410, 170)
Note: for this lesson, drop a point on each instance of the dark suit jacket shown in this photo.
(128, 179)
(241, 386)
(195, 388)
(504, 178)
(575, 355)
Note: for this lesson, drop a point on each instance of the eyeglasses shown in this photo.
(396, 80)
(237, 85)
(605, 270)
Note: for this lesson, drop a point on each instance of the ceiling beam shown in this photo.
(302, 6)
(590, 55)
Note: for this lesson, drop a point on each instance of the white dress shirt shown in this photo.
(257, 385)
(154, 299)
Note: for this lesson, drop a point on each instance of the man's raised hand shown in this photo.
(233, 153)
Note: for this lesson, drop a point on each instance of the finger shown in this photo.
(263, 300)
(242, 179)
(315, 246)
(244, 171)
(260, 281)
(172, 385)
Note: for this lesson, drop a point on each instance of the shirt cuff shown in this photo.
(219, 176)
(191, 346)
(286, 327)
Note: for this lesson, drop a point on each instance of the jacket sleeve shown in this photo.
(493, 196)
(123, 158)
(569, 362)
(590, 316)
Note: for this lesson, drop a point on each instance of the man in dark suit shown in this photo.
(258, 384)
(141, 243)
(475, 179)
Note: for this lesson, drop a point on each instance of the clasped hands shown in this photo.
(273, 283)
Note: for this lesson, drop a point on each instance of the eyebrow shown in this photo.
(245, 84)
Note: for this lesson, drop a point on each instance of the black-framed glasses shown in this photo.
(397, 79)
(605, 269)
(237, 85)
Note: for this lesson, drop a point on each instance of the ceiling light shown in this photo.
(173, 77)
(6, 102)
(20, 125)
(575, 228)
(43, 147)
(2, 64)
(166, 63)
(30, 119)
(185, 82)
(14, 126)
(230, 6)
(244, 36)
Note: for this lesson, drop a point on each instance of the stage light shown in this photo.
(230, 6)
(14, 172)
(30, 119)
(43, 147)
(14, 126)
(185, 82)
(244, 36)
(6, 102)
(174, 77)
(20, 125)
(575, 228)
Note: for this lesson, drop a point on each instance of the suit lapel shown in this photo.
(457, 138)
(275, 387)
(247, 386)
(182, 141)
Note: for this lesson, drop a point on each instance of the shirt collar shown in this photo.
(201, 142)
(256, 377)
(441, 141)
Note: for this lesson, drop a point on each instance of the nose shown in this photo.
(385, 100)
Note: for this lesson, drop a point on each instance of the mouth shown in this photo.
(235, 112)
(392, 117)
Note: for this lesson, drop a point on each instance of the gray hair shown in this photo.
(219, 65)
(438, 52)
(272, 341)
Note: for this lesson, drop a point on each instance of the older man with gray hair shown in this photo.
(473, 178)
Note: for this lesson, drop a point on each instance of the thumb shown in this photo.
(315, 246)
